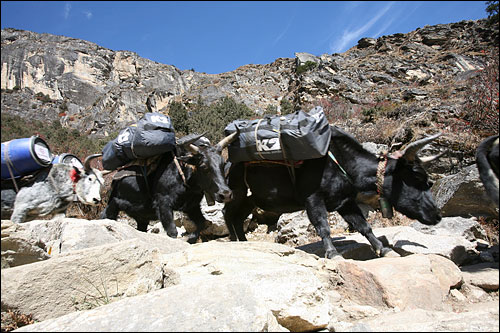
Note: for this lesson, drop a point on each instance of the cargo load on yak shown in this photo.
(24, 156)
(152, 135)
(68, 159)
(293, 137)
(24, 162)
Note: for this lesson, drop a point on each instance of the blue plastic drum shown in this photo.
(68, 159)
(24, 156)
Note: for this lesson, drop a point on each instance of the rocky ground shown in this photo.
(441, 289)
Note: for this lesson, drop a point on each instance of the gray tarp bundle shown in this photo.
(152, 135)
(296, 136)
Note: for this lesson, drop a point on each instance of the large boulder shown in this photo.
(463, 194)
(82, 279)
(416, 281)
(40, 239)
(404, 240)
(169, 310)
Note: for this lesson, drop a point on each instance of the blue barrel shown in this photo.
(24, 156)
(68, 159)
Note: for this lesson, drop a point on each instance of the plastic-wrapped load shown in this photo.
(296, 136)
(152, 135)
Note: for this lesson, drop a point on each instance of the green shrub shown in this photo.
(60, 139)
(305, 67)
(286, 107)
(179, 116)
(212, 119)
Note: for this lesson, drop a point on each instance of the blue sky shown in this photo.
(220, 36)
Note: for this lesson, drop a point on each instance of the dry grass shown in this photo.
(12, 320)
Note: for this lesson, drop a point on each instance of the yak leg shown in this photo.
(235, 213)
(111, 211)
(19, 214)
(317, 214)
(197, 217)
(354, 217)
(142, 224)
(166, 216)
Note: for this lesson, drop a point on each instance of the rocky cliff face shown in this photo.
(98, 91)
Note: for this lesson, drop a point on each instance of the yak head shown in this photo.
(87, 182)
(407, 185)
(209, 164)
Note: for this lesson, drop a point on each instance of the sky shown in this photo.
(219, 36)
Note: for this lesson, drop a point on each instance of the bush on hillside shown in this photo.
(179, 116)
(480, 110)
(208, 119)
(60, 139)
(309, 65)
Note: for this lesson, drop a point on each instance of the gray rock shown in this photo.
(484, 275)
(404, 240)
(41, 239)
(484, 319)
(168, 311)
(82, 279)
(454, 226)
(463, 194)
(366, 42)
(303, 57)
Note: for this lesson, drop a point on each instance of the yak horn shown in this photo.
(226, 141)
(428, 159)
(192, 148)
(86, 164)
(410, 153)
(188, 139)
(105, 172)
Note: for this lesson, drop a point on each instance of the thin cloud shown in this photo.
(67, 9)
(350, 5)
(277, 39)
(349, 36)
(381, 30)
(88, 14)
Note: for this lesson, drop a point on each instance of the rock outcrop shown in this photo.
(98, 91)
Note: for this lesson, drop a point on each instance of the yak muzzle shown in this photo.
(224, 196)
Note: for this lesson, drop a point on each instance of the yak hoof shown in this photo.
(192, 238)
(333, 254)
(389, 253)
(172, 234)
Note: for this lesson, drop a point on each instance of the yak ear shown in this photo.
(78, 171)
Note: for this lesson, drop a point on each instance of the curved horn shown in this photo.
(428, 159)
(410, 152)
(86, 164)
(188, 139)
(192, 148)
(105, 172)
(226, 141)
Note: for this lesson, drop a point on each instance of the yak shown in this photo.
(331, 183)
(487, 164)
(178, 182)
(54, 189)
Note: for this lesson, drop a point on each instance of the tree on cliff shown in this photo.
(492, 10)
